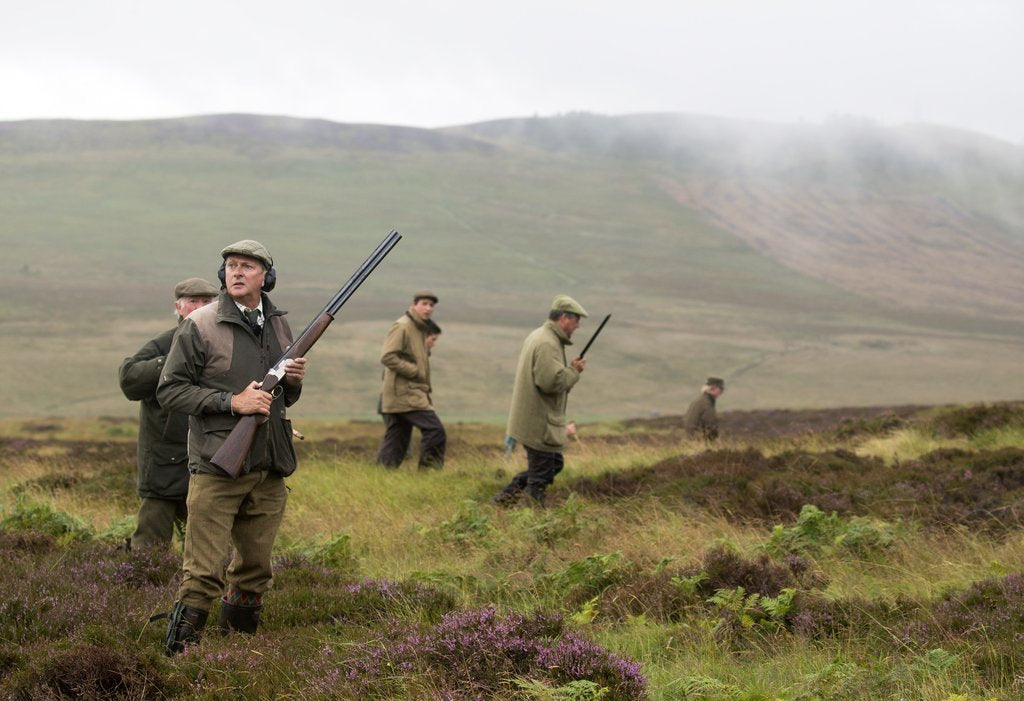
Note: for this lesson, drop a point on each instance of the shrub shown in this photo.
(740, 613)
(871, 426)
(61, 592)
(310, 594)
(33, 542)
(550, 526)
(88, 672)
(840, 681)
(476, 653)
(28, 515)
(584, 579)
(971, 420)
(726, 569)
(987, 619)
(817, 533)
(470, 524)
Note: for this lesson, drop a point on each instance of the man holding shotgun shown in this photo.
(208, 374)
(537, 415)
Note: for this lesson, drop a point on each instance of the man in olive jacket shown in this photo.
(539, 395)
(162, 480)
(701, 420)
(405, 392)
(212, 373)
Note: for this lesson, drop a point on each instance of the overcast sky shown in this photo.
(437, 63)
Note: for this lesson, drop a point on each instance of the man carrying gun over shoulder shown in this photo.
(537, 415)
(209, 375)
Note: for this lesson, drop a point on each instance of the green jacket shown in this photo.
(215, 355)
(406, 383)
(701, 421)
(543, 380)
(162, 453)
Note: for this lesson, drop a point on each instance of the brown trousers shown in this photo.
(225, 513)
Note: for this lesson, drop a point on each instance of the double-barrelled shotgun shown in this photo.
(232, 454)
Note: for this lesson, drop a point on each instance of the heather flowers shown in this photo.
(475, 653)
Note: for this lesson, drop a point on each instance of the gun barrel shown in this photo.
(363, 272)
(601, 326)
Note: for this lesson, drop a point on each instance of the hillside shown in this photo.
(811, 266)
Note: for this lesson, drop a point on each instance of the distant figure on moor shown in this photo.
(405, 389)
(701, 421)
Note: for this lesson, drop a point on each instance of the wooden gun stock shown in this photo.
(234, 451)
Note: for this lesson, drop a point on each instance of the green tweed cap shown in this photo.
(715, 382)
(253, 249)
(565, 303)
(424, 294)
(195, 287)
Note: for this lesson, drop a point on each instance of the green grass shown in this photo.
(609, 565)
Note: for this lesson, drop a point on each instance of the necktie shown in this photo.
(253, 317)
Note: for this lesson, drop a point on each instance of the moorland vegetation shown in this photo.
(861, 264)
(872, 553)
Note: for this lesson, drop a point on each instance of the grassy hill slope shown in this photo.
(810, 267)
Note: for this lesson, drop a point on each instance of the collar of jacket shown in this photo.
(420, 324)
(227, 310)
(565, 340)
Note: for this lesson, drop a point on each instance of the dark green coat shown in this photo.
(214, 355)
(541, 390)
(701, 421)
(163, 435)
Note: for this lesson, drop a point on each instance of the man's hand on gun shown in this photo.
(578, 364)
(294, 371)
(253, 400)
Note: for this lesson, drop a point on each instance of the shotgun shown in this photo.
(232, 454)
(586, 347)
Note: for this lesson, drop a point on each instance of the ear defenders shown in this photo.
(268, 282)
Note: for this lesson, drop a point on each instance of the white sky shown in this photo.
(437, 63)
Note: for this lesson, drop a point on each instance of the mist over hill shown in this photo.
(822, 265)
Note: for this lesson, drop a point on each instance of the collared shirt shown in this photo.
(259, 307)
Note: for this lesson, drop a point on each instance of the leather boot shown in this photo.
(538, 497)
(183, 627)
(244, 619)
(506, 498)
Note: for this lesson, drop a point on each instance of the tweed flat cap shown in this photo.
(195, 287)
(253, 249)
(424, 294)
(565, 303)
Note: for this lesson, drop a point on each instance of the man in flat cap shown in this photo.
(212, 373)
(405, 391)
(701, 421)
(162, 480)
(539, 395)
